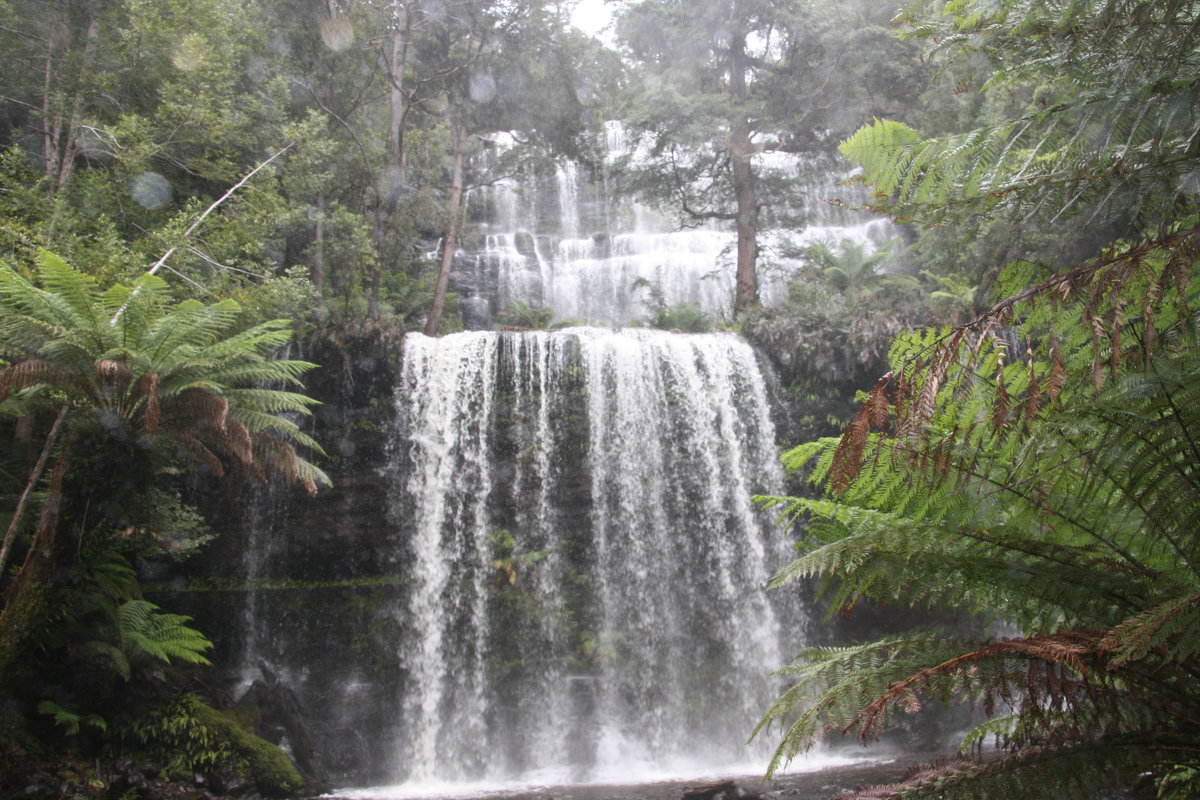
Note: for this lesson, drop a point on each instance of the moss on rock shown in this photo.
(272, 771)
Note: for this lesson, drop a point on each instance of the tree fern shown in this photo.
(132, 353)
(1040, 462)
(1121, 136)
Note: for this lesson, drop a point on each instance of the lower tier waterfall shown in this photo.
(585, 567)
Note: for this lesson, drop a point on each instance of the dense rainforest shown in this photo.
(194, 191)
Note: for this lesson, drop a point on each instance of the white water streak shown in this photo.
(631, 624)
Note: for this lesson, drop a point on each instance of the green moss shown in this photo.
(187, 736)
(269, 767)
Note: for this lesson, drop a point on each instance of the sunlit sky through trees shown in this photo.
(590, 16)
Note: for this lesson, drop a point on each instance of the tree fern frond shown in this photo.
(998, 728)
(1081, 770)
(77, 290)
(1133, 639)
(268, 401)
(144, 630)
(27, 374)
(264, 372)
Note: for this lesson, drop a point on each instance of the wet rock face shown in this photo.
(299, 583)
(331, 535)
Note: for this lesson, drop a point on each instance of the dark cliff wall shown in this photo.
(302, 586)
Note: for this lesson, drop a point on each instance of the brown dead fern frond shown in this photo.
(281, 459)
(848, 457)
(198, 453)
(236, 439)
(146, 389)
(1032, 402)
(27, 374)
(1093, 285)
(113, 372)
(1068, 649)
(200, 409)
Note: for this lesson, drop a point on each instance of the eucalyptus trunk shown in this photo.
(396, 165)
(741, 153)
(450, 240)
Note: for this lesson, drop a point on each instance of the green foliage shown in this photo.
(140, 385)
(685, 317)
(103, 625)
(1108, 134)
(144, 631)
(843, 337)
(188, 737)
(69, 721)
(1039, 465)
(178, 733)
(127, 356)
(955, 296)
(853, 267)
(278, 296)
(522, 315)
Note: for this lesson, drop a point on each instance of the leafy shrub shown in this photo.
(539, 318)
(686, 317)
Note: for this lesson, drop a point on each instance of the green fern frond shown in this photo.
(998, 728)
(144, 630)
(1081, 770)
(1165, 624)
(70, 721)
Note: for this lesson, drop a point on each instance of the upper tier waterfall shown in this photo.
(566, 240)
(587, 567)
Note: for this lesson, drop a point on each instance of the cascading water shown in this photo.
(569, 583)
(587, 566)
(564, 242)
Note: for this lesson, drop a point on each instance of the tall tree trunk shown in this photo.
(35, 475)
(741, 151)
(318, 260)
(396, 166)
(450, 240)
(60, 138)
(397, 158)
(25, 599)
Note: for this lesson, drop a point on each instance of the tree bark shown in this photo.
(35, 475)
(318, 260)
(741, 151)
(25, 599)
(396, 166)
(450, 240)
(61, 125)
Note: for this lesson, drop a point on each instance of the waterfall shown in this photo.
(553, 570)
(586, 570)
(563, 241)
